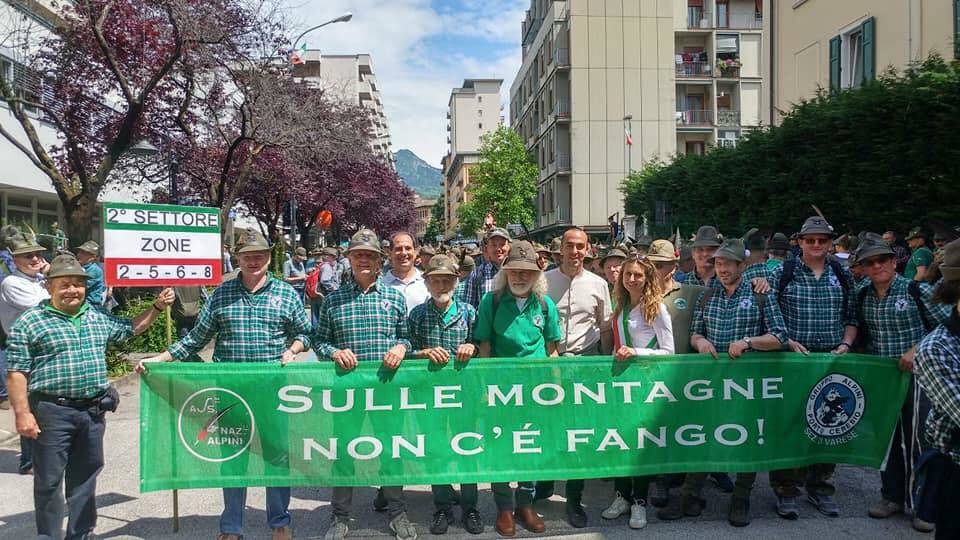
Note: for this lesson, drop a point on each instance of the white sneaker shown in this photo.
(617, 508)
(638, 516)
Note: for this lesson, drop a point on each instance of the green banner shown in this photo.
(308, 424)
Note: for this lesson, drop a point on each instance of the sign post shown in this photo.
(160, 245)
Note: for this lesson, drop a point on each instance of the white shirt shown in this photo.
(414, 289)
(642, 333)
(584, 306)
(18, 293)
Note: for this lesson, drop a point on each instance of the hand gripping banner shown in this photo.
(310, 424)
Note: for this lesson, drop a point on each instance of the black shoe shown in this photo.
(681, 506)
(472, 522)
(380, 502)
(441, 521)
(739, 511)
(659, 493)
(576, 516)
(723, 481)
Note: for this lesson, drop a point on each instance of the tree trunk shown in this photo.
(79, 217)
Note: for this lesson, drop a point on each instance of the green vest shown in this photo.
(681, 302)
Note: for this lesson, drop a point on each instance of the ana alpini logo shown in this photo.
(216, 424)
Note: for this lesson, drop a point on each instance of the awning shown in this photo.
(726, 43)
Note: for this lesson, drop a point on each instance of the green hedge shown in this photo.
(885, 156)
(154, 340)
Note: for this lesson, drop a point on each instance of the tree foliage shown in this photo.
(504, 183)
(884, 156)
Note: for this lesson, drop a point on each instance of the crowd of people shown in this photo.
(389, 300)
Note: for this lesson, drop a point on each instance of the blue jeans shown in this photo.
(234, 499)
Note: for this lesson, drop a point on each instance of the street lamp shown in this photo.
(145, 148)
(343, 18)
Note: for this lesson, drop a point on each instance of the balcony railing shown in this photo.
(563, 162)
(728, 118)
(695, 117)
(562, 57)
(750, 22)
(563, 109)
(699, 18)
(728, 73)
(693, 69)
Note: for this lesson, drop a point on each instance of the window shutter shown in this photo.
(868, 54)
(835, 63)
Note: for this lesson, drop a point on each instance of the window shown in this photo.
(723, 14)
(696, 147)
(479, 112)
(853, 56)
(480, 125)
(479, 99)
(695, 13)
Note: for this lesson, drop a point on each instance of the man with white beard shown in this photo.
(517, 319)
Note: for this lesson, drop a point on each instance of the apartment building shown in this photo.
(473, 110)
(678, 75)
(351, 79)
(831, 44)
(424, 209)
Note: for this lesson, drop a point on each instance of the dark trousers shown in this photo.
(693, 485)
(503, 496)
(905, 449)
(816, 479)
(948, 503)
(67, 457)
(443, 496)
(632, 488)
(343, 499)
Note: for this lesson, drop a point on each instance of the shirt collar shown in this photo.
(373, 287)
(266, 285)
(37, 279)
(392, 278)
(75, 319)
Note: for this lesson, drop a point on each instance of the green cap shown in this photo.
(365, 240)
(21, 244)
(441, 265)
(816, 225)
(950, 267)
(753, 240)
(467, 262)
(300, 252)
(732, 249)
(250, 240)
(66, 266)
(612, 253)
(662, 251)
(497, 231)
(915, 232)
(428, 250)
(779, 242)
(707, 236)
(90, 247)
(871, 247)
(330, 251)
(555, 245)
(522, 256)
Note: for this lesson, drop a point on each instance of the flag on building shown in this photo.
(626, 130)
(299, 56)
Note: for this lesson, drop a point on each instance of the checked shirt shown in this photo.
(692, 279)
(813, 308)
(938, 374)
(368, 323)
(894, 323)
(479, 283)
(427, 328)
(62, 355)
(249, 327)
(723, 320)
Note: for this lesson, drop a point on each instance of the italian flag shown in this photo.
(299, 56)
(629, 136)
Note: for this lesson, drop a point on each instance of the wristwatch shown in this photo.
(749, 344)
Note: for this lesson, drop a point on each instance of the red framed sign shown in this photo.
(158, 245)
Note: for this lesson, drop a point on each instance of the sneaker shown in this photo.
(402, 528)
(338, 530)
(617, 508)
(825, 504)
(787, 507)
(923, 526)
(380, 502)
(659, 492)
(884, 509)
(471, 521)
(638, 516)
(441, 522)
(739, 512)
(576, 516)
(722, 481)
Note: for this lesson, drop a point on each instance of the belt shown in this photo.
(84, 403)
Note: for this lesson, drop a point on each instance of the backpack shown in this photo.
(790, 267)
(312, 284)
(913, 289)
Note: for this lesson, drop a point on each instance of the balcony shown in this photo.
(695, 118)
(728, 118)
(693, 69)
(742, 22)
(698, 18)
(563, 163)
(363, 88)
(561, 57)
(562, 109)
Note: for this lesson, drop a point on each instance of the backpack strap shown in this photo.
(789, 268)
(914, 290)
(841, 277)
(761, 301)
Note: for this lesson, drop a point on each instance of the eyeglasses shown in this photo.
(816, 241)
(876, 261)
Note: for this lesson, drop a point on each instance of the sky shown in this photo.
(421, 50)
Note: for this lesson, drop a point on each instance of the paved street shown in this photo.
(125, 513)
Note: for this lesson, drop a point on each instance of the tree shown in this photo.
(504, 183)
(438, 225)
(113, 74)
(883, 156)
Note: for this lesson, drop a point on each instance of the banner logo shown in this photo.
(834, 408)
(215, 424)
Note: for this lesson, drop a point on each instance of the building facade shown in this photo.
(351, 79)
(830, 44)
(594, 72)
(473, 110)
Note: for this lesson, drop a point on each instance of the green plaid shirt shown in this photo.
(427, 328)
(691, 278)
(63, 355)
(894, 323)
(756, 270)
(368, 323)
(938, 374)
(249, 327)
(813, 308)
(723, 320)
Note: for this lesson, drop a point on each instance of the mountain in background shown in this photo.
(425, 180)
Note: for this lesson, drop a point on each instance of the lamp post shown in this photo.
(145, 149)
(343, 18)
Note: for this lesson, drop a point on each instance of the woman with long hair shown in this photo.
(641, 327)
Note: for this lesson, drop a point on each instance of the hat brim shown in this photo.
(78, 274)
(521, 265)
(822, 232)
(365, 248)
(28, 249)
(496, 235)
(251, 249)
(950, 273)
(661, 258)
(706, 243)
(874, 252)
(443, 272)
(728, 256)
